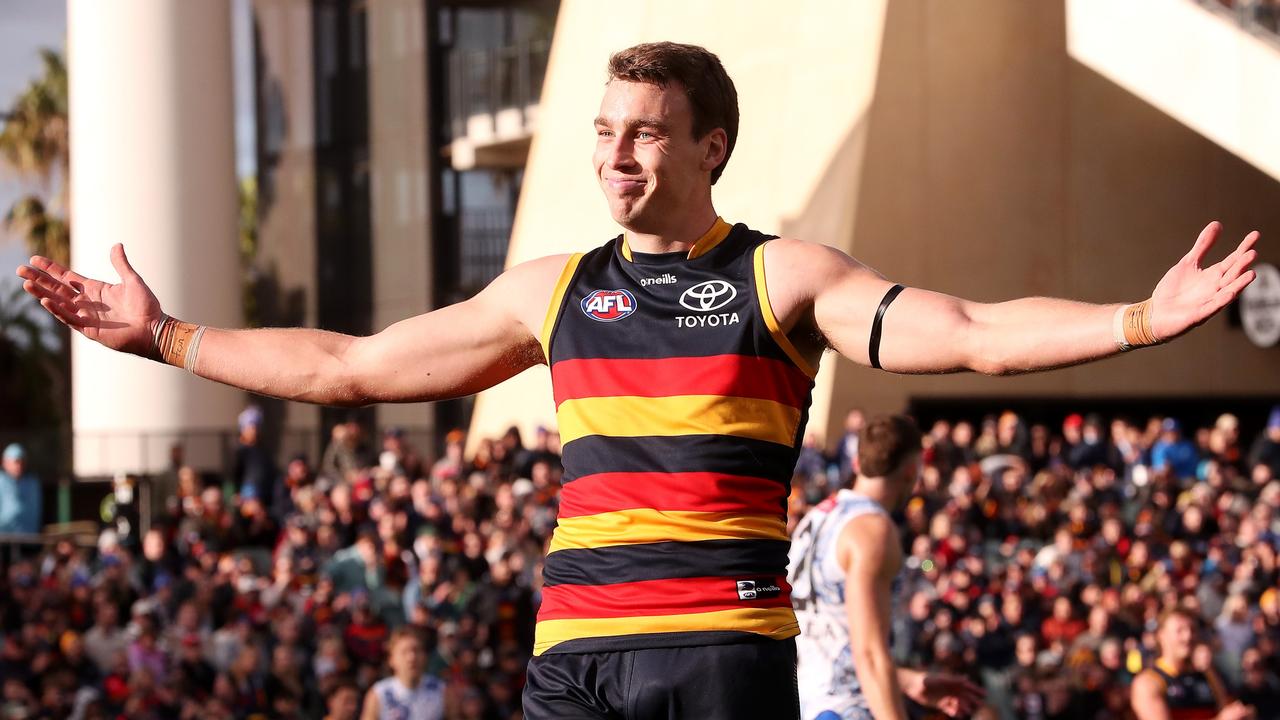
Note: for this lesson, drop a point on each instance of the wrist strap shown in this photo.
(1131, 326)
(177, 342)
(873, 347)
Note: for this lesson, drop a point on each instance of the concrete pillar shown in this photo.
(152, 166)
(398, 139)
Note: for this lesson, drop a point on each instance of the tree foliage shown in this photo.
(35, 145)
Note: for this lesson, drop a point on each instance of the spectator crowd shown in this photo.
(1038, 559)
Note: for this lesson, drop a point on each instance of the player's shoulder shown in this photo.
(809, 262)
(870, 526)
(431, 683)
(536, 278)
(872, 534)
(547, 267)
(1148, 679)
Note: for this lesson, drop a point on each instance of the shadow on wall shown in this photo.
(991, 165)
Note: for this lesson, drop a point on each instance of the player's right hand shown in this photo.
(1236, 711)
(121, 316)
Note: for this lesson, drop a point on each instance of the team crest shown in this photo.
(608, 305)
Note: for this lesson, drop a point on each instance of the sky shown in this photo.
(26, 26)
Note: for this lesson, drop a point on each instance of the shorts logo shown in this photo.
(708, 295)
(608, 305)
(758, 589)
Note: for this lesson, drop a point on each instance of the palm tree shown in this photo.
(30, 371)
(35, 361)
(34, 145)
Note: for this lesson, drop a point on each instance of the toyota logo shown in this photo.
(708, 296)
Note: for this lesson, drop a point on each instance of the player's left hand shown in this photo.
(1188, 294)
(952, 694)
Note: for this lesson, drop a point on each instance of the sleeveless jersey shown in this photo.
(1190, 695)
(828, 681)
(681, 406)
(396, 702)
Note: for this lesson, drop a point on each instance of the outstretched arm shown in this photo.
(929, 332)
(869, 551)
(454, 351)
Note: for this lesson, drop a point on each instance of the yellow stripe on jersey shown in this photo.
(703, 245)
(630, 416)
(557, 299)
(771, 321)
(775, 623)
(710, 239)
(633, 527)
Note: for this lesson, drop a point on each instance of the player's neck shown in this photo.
(677, 235)
(409, 682)
(1172, 666)
(875, 489)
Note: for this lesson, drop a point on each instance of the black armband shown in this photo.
(873, 348)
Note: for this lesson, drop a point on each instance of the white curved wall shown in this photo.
(152, 165)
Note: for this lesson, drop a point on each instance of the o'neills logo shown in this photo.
(758, 589)
(608, 305)
(666, 279)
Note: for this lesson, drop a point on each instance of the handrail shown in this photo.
(1260, 15)
(485, 81)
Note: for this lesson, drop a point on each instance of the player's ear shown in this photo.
(717, 147)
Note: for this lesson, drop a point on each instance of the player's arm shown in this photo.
(454, 351)
(929, 332)
(1228, 707)
(1146, 695)
(868, 549)
(372, 706)
(954, 695)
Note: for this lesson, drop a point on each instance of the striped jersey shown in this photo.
(397, 702)
(681, 405)
(826, 674)
(1189, 695)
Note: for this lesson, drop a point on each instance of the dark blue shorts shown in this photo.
(740, 681)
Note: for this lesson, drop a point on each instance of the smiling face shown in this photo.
(1176, 637)
(653, 172)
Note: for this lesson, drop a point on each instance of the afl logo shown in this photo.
(608, 305)
(708, 296)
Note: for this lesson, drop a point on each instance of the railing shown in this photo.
(211, 452)
(205, 450)
(485, 234)
(1261, 15)
(483, 82)
(82, 535)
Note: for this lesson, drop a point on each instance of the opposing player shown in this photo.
(845, 556)
(1170, 689)
(682, 354)
(410, 693)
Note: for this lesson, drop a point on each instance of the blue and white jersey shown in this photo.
(397, 702)
(828, 682)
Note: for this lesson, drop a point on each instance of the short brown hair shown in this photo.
(404, 632)
(711, 94)
(886, 443)
(1178, 611)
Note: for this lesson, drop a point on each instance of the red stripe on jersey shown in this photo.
(741, 376)
(690, 491)
(654, 597)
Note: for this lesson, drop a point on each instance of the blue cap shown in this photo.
(14, 451)
(1273, 422)
(251, 415)
(1170, 425)
(249, 492)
